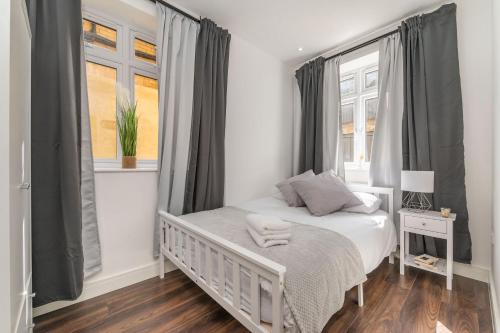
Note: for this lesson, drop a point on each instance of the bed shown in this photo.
(208, 252)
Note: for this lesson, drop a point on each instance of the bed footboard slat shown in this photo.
(220, 275)
(187, 255)
(255, 297)
(208, 264)
(197, 257)
(236, 285)
(277, 305)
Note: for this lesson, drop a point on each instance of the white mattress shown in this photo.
(373, 234)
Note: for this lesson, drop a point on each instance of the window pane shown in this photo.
(347, 86)
(145, 51)
(100, 35)
(370, 117)
(146, 95)
(348, 131)
(101, 84)
(371, 79)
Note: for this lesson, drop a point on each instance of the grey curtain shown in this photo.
(433, 120)
(56, 151)
(176, 45)
(333, 157)
(206, 170)
(310, 80)
(387, 161)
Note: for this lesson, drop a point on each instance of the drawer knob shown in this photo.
(424, 224)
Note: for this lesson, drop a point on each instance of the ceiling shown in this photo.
(280, 27)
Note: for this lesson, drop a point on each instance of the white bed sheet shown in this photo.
(373, 234)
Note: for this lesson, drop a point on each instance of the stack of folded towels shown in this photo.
(268, 231)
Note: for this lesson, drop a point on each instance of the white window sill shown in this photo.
(115, 170)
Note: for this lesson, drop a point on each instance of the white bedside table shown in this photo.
(429, 223)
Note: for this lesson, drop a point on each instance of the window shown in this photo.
(101, 83)
(99, 35)
(358, 88)
(348, 131)
(120, 59)
(144, 51)
(146, 94)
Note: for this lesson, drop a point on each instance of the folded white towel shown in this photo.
(260, 241)
(267, 225)
(276, 235)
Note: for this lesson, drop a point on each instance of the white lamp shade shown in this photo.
(417, 181)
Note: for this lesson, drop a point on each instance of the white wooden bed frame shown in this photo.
(257, 265)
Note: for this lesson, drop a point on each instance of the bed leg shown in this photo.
(391, 258)
(360, 295)
(162, 256)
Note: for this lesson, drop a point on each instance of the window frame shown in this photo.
(359, 98)
(123, 59)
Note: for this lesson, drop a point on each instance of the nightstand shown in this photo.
(427, 223)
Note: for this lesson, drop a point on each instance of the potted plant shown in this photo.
(127, 122)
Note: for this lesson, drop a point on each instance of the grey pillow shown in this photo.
(290, 195)
(325, 194)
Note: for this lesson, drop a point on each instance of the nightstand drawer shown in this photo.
(425, 224)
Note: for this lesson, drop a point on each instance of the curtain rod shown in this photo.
(360, 46)
(392, 26)
(180, 11)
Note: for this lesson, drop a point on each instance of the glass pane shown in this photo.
(100, 35)
(347, 86)
(146, 96)
(145, 51)
(348, 131)
(371, 79)
(370, 117)
(101, 85)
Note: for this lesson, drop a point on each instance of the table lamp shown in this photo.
(417, 184)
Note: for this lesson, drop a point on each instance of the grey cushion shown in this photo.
(290, 195)
(325, 194)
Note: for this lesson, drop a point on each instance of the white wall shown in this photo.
(5, 310)
(475, 55)
(258, 124)
(496, 159)
(126, 205)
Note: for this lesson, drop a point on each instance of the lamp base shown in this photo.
(416, 202)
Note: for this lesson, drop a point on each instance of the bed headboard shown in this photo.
(385, 193)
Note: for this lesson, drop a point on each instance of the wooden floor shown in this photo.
(416, 302)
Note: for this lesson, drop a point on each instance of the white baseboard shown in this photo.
(495, 315)
(472, 272)
(107, 284)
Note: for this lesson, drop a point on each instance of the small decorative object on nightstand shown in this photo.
(427, 223)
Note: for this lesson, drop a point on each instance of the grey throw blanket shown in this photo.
(321, 265)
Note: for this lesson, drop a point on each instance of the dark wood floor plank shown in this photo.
(415, 302)
(421, 308)
(390, 293)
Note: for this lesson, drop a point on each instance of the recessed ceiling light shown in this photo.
(300, 49)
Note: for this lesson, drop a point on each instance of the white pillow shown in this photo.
(370, 204)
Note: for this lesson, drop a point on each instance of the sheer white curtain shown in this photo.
(332, 119)
(176, 45)
(90, 233)
(297, 123)
(387, 157)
